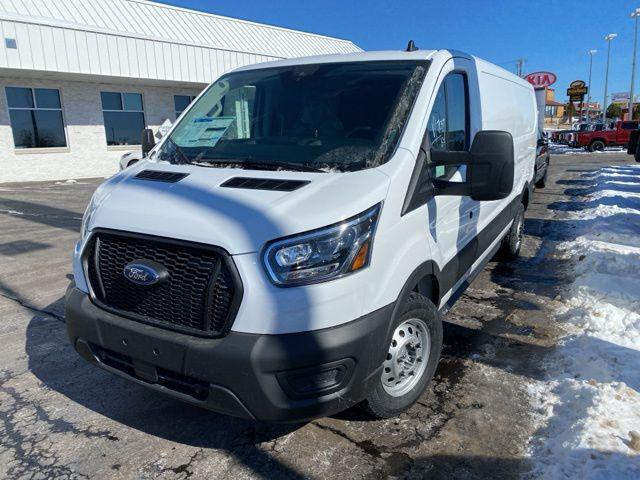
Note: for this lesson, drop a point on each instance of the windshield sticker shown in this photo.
(204, 131)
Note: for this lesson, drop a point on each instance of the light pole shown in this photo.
(608, 38)
(591, 54)
(634, 15)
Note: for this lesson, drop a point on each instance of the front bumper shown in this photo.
(288, 377)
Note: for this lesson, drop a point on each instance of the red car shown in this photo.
(618, 136)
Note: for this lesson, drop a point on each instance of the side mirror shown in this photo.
(490, 167)
(542, 142)
(148, 141)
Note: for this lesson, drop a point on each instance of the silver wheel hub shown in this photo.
(519, 231)
(407, 357)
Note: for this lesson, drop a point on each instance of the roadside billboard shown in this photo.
(620, 97)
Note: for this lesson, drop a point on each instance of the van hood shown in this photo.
(240, 220)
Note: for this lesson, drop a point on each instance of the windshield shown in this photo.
(342, 116)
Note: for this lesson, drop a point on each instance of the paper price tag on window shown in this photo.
(164, 128)
(205, 131)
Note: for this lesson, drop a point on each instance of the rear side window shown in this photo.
(449, 119)
(629, 125)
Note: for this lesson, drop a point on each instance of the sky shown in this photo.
(551, 35)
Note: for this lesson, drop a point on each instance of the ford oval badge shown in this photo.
(145, 272)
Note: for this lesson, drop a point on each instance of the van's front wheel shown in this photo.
(512, 242)
(411, 360)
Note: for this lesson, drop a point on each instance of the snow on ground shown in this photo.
(560, 149)
(589, 405)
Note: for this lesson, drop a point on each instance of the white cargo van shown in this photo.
(288, 249)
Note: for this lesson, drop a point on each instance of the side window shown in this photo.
(456, 112)
(438, 121)
(448, 122)
(629, 125)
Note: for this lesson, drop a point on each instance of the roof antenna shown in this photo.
(411, 47)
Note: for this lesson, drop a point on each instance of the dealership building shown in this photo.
(80, 80)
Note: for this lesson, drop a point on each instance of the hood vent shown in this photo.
(265, 184)
(161, 176)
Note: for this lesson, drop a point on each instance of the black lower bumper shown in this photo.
(278, 378)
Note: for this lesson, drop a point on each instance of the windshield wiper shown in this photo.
(258, 165)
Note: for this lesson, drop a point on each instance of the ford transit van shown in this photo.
(289, 248)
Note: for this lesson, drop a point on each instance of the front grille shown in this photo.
(200, 295)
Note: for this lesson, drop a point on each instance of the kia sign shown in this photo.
(541, 79)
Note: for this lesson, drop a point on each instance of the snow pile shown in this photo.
(590, 402)
(560, 149)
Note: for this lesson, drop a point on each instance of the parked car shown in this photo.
(543, 159)
(130, 158)
(290, 248)
(617, 136)
(570, 137)
(560, 136)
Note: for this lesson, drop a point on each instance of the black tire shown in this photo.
(380, 403)
(512, 242)
(543, 181)
(597, 146)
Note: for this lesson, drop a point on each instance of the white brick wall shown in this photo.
(88, 154)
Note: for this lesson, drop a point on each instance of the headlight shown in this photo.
(323, 254)
(86, 218)
(84, 227)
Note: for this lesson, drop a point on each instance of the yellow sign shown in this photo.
(577, 88)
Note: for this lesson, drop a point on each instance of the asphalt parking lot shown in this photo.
(63, 418)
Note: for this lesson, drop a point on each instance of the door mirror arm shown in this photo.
(440, 158)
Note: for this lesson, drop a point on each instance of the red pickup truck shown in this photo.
(619, 135)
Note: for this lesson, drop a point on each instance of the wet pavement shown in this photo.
(63, 418)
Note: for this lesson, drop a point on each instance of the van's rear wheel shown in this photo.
(543, 181)
(411, 360)
(512, 242)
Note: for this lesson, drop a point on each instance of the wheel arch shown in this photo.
(425, 281)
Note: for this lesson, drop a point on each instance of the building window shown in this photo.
(181, 102)
(36, 117)
(123, 117)
(550, 110)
